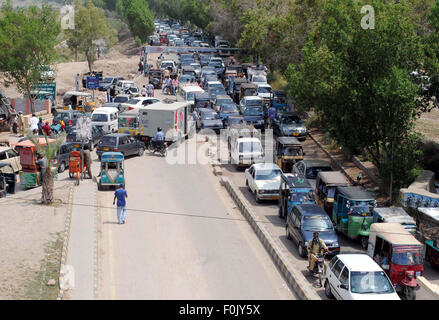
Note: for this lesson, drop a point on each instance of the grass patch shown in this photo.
(277, 81)
(36, 288)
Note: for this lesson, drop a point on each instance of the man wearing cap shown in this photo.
(121, 195)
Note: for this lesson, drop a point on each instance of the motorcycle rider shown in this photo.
(158, 139)
(314, 247)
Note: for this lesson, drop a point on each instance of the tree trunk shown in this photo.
(32, 104)
(47, 186)
(76, 53)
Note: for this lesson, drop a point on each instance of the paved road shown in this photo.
(183, 240)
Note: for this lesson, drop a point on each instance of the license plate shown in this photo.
(295, 134)
(106, 149)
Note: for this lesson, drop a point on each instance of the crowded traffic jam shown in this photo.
(197, 86)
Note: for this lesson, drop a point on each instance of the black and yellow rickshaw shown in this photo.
(288, 151)
(82, 101)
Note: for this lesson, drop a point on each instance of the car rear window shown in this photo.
(108, 140)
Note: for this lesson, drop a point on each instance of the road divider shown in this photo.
(297, 281)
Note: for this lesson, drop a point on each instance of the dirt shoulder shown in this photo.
(30, 246)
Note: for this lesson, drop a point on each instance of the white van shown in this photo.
(122, 85)
(106, 118)
(187, 92)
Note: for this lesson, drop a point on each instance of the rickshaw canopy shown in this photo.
(112, 157)
(29, 144)
(394, 214)
(291, 141)
(332, 178)
(356, 193)
(393, 233)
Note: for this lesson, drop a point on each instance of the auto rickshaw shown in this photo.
(82, 101)
(8, 179)
(237, 68)
(294, 189)
(352, 212)
(397, 215)
(280, 101)
(30, 176)
(428, 223)
(399, 254)
(237, 82)
(288, 151)
(326, 183)
(112, 170)
(247, 89)
(156, 78)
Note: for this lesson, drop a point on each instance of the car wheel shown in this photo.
(288, 233)
(257, 198)
(328, 292)
(364, 242)
(302, 252)
(248, 187)
(141, 151)
(61, 167)
(99, 158)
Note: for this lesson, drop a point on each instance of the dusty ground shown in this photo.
(428, 125)
(30, 245)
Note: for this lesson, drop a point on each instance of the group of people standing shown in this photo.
(171, 85)
(38, 127)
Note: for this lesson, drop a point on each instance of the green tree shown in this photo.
(138, 17)
(91, 31)
(47, 151)
(358, 82)
(27, 40)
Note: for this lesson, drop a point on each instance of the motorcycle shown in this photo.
(162, 148)
(319, 264)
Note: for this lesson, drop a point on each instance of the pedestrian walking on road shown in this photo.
(121, 194)
(271, 115)
(150, 88)
(20, 124)
(40, 126)
(77, 82)
(143, 91)
(33, 124)
(87, 160)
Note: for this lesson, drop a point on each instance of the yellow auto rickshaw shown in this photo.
(288, 151)
(82, 101)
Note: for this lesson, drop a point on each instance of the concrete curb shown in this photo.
(295, 279)
(67, 225)
(334, 161)
(96, 244)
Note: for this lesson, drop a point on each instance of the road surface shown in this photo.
(183, 239)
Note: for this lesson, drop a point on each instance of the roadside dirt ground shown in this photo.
(29, 232)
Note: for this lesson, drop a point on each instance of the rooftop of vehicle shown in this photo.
(359, 262)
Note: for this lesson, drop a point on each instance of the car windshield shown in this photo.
(331, 192)
(166, 65)
(268, 174)
(293, 151)
(120, 99)
(99, 117)
(250, 147)
(128, 122)
(108, 140)
(235, 120)
(255, 103)
(254, 111)
(259, 79)
(209, 115)
(374, 282)
(133, 101)
(361, 210)
(264, 90)
(61, 116)
(291, 120)
(302, 197)
(311, 173)
(196, 66)
(190, 96)
(407, 257)
(228, 108)
(317, 223)
(108, 80)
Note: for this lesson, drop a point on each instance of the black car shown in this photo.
(96, 134)
(289, 124)
(255, 115)
(7, 179)
(209, 119)
(68, 116)
(305, 219)
(227, 109)
(61, 158)
(120, 142)
(109, 82)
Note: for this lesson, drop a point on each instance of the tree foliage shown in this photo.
(27, 40)
(90, 32)
(138, 17)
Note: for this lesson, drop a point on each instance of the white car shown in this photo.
(263, 180)
(138, 102)
(357, 277)
(122, 85)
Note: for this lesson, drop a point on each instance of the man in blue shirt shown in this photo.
(158, 138)
(121, 194)
(271, 115)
